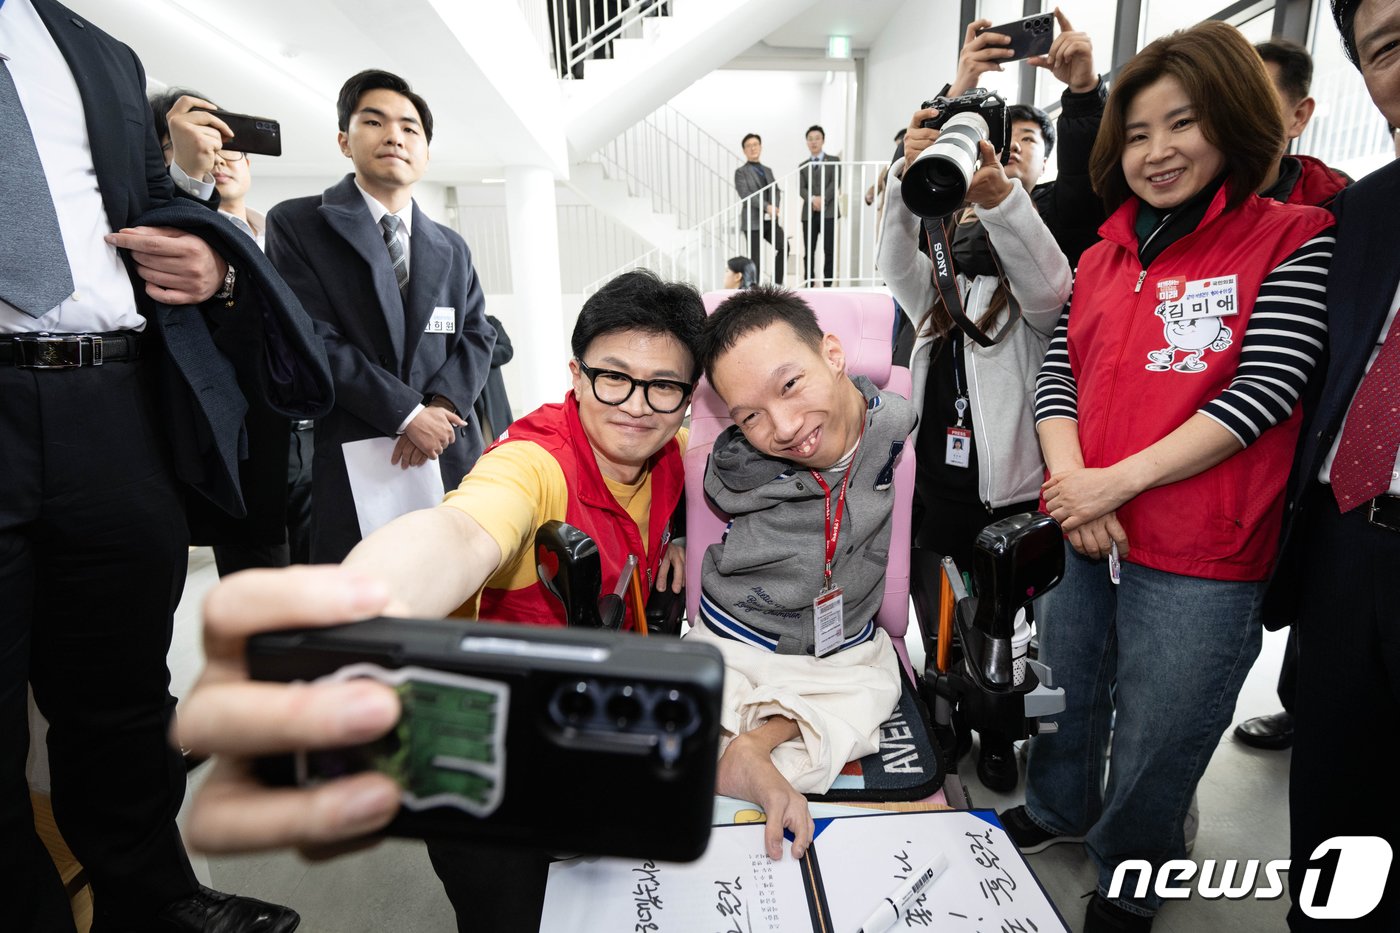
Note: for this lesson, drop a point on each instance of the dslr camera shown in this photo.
(936, 183)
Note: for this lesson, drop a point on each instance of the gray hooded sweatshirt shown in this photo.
(766, 571)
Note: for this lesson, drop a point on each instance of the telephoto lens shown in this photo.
(936, 183)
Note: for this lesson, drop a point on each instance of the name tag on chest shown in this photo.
(443, 321)
(1202, 299)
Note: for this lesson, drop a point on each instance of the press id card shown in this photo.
(829, 620)
(443, 321)
(959, 450)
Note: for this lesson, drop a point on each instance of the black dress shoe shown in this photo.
(209, 911)
(1270, 732)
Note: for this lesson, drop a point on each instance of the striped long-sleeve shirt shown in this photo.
(1283, 342)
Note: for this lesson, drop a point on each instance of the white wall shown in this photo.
(777, 105)
(910, 61)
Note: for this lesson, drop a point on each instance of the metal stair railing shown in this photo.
(667, 157)
(578, 30)
(705, 249)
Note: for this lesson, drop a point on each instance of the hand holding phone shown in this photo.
(253, 135)
(1071, 57)
(568, 740)
(1030, 36)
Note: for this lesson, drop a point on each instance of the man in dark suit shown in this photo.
(395, 298)
(111, 388)
(760, 214)
(1336, 576)
(817, 183)
(276, 475)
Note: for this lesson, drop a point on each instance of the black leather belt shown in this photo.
(1382, 511)
(68, 351)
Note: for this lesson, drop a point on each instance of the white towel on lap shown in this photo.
(839, 703)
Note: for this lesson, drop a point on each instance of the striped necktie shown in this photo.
(390, 223)
(34, 271)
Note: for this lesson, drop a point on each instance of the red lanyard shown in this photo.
(833, 527)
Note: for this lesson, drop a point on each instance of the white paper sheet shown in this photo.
(733, 886)
(382, 490)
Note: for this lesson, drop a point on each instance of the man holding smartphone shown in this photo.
(396, 299)
(276, 476)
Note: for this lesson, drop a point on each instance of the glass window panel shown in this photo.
(1007, 82)
(1260, 28)
(1163, 16)
(1347, 131)
(1096, 17)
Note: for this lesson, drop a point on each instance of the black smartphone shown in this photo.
(255, 135)
(1030, 37)
(573, 741)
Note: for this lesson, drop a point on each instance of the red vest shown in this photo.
(1318, 183)
(1221, 524)
(592, 509)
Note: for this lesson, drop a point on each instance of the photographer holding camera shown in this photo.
(977, 454)
(1068, 204)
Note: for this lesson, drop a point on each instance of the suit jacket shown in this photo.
(332, 253)
(819, 179)
(750, 178)
(1360, 286)
(203, 406)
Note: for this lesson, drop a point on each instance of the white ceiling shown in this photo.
(286, 59)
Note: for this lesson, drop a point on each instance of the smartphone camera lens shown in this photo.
(624, 709)
(575, 702)
(673, 713)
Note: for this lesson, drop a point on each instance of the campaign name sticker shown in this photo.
(1203, 298)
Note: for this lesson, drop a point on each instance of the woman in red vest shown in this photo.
(1168, 412)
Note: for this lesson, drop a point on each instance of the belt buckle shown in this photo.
(1373, 507)
(51, 351)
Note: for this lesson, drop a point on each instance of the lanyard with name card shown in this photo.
(958, 451)
(826, 607)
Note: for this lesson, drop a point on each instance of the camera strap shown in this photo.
(945, 279)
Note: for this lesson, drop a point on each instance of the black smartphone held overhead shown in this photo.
(254, 135)
(567, 740)
(1030, 37)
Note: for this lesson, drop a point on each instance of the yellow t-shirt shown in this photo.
(515, 489)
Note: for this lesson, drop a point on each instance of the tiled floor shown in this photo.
(1243, 802)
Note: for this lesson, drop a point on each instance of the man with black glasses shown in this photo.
(607, 460)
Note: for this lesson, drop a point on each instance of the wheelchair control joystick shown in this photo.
(1015, 560)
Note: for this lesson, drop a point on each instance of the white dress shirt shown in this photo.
(102, 298)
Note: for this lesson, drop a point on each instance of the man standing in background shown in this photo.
(396, 299)
(760, 214)
(276, 475)
(817, 181)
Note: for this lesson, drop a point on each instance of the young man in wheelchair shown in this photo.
(789, 596)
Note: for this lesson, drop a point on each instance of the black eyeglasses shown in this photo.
(664, 396)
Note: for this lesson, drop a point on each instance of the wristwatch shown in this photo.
(229, 278)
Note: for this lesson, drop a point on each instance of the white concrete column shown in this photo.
(537, 328)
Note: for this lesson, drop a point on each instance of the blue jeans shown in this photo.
(1179, 649)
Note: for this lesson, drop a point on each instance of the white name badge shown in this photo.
(830, 625)
(443, 321)
(1202, 299)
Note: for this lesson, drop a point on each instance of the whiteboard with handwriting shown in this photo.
(735, 888)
